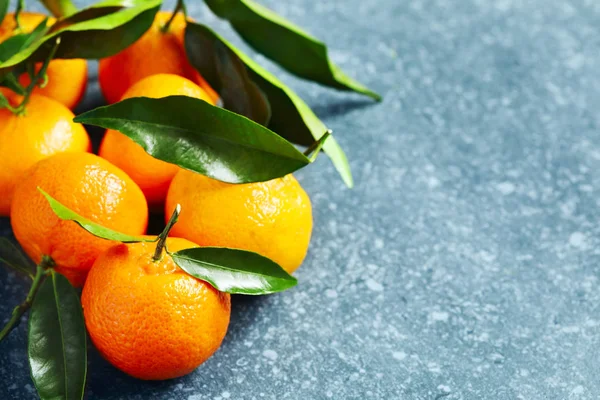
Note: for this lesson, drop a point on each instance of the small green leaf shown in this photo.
(234, 271)
(290, 115)
(57, 341)
(95, 32)
(200, 137)
(285, 43)
(14, 257)
(229, 78)
(100, 231)
(60, 8)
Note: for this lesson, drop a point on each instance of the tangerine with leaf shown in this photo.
(66, 79)
(152, 175)
(148, 317)
(272, 218)
(92, 187)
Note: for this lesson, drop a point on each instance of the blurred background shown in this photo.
(465, 262)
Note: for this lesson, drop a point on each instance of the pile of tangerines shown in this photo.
(143, 313)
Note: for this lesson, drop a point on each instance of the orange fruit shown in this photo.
(67, 79)
(271, 218)
(88, 185)
(156, 52)
(46, 128)
(149, 318)
(152, 175)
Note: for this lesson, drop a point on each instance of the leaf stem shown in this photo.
(180, 6)
(4, 103)
(162, 238)
(316, 147)
(18, 311)
(20, 7)
(35, 79)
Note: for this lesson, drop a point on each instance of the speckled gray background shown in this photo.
(464, 265)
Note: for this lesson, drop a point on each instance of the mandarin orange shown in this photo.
(88, 185)
(152, 175)
(149, 318)
(45, 128)
(271, 218)
(156, 52)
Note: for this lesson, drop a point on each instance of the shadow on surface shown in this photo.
(101, 371)
(244, 312)
(333, 109)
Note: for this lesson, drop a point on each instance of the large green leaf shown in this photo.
(290, 115)
(60, 8)
(95, 32)
(57, 341)
(234, 271)
(14, 44)
(228, 76)
(285, 43)
(200, 137)
(97, 230)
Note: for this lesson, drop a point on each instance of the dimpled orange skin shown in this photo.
(88, 185)
(150, 319)
(271, 218)
(67, 79)
(156, 52)
(45, 129)
(152, 175)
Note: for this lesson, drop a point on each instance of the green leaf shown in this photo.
(229, 78)
(14, 257)
(3, 9)
(60, 8)
(100, 231)
(57, 341)
(95, 32)
(234, 271)
(290, 115)
(14, 44)
(200, 137)
(285, 43)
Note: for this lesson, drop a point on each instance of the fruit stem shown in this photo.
(35, 80)
(20, 7)
(18, 311)
(5, 104)
(180, 6)
(316, 147)
(162, 238)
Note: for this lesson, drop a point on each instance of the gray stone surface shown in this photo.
(464, 264)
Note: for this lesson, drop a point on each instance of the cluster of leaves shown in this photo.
(251, 143)
(251, 139)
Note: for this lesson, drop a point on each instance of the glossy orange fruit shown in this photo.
(149, 318)
(88, 185)
(152, 175)
(46, 128)
(156, 52)
(271, 218)
(67, 79)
